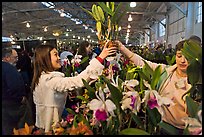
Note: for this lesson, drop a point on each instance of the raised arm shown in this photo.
(135, 58)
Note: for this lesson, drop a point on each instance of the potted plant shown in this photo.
(107, 19)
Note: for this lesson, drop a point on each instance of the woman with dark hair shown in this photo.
(85, 49)
(50, 87)
(174, 87)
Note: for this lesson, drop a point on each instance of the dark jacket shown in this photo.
(13, 88)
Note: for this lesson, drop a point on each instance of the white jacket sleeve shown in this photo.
(62, 84)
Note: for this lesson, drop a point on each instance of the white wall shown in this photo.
(180, 26)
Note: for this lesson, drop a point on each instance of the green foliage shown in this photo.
(91, 90)
(169, 128)
(171, 60)
(133, 131)
(192, 107)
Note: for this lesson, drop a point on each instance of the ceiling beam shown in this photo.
(147, 13)
(178, 7)
(27, 10)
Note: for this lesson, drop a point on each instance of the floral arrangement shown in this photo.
(125, 100)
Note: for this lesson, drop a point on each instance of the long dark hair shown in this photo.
(82, 48)
(42, 62)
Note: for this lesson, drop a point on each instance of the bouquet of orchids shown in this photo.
(123, 100)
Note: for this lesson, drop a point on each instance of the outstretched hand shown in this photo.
(107, 51)
(118, 44)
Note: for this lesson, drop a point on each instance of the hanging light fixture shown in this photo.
(129, 26)
(133, 4)
(45, 29)
(62, 14)
(130, 17)
(128, 30)
(27, 25)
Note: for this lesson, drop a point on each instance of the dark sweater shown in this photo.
(13, 88)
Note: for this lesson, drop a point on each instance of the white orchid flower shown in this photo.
(76, 59)
(64, 62)
(115, 82)
(154, 100)
(115, 60)
(194, 125)
(131, 100)
(107, 91)
(101, 107)
(130, 84)
(95, 73)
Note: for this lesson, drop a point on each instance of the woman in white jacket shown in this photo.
(50, 87)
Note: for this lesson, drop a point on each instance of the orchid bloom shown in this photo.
(115, 82)
(195, 125)
(130, 84)
(154, 100)
(76, 59)
(114, 61)
(131, 100)
(95, 73)
(101, 107)
(65, 62)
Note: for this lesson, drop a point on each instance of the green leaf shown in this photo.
(112, 6)
(143, 76)
(94, 12)
(149, 69)
(116, 95)
(98, 26)
(169, 128)
(75, 121)
(105, 8)
(117, 14)
(133, 131)
(192, 107)
(84, 60)
(173, 59)
(91, 91)
(155, 77)
(192, 50)
(101, 14)
(82, 98)
(137, 120)
(162, 79)
(88, 12)
(186, 132)
(194, 71)
(70, 111)
(170, 60)
(82, 118)
(154, 116)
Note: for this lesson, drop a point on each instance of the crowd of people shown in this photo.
(35, 91)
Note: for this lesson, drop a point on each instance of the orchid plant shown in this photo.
(125, 99)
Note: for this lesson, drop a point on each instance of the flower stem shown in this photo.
(129, 124)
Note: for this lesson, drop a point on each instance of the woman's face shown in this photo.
(181, 62)
(89, 49)
(55, 59)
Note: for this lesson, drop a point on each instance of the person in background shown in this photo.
(196, 39)
(96, 51)
(175, 86)
(15, 107)
(24, 67)
(50, 87)
(85, 49)
(169, 51)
